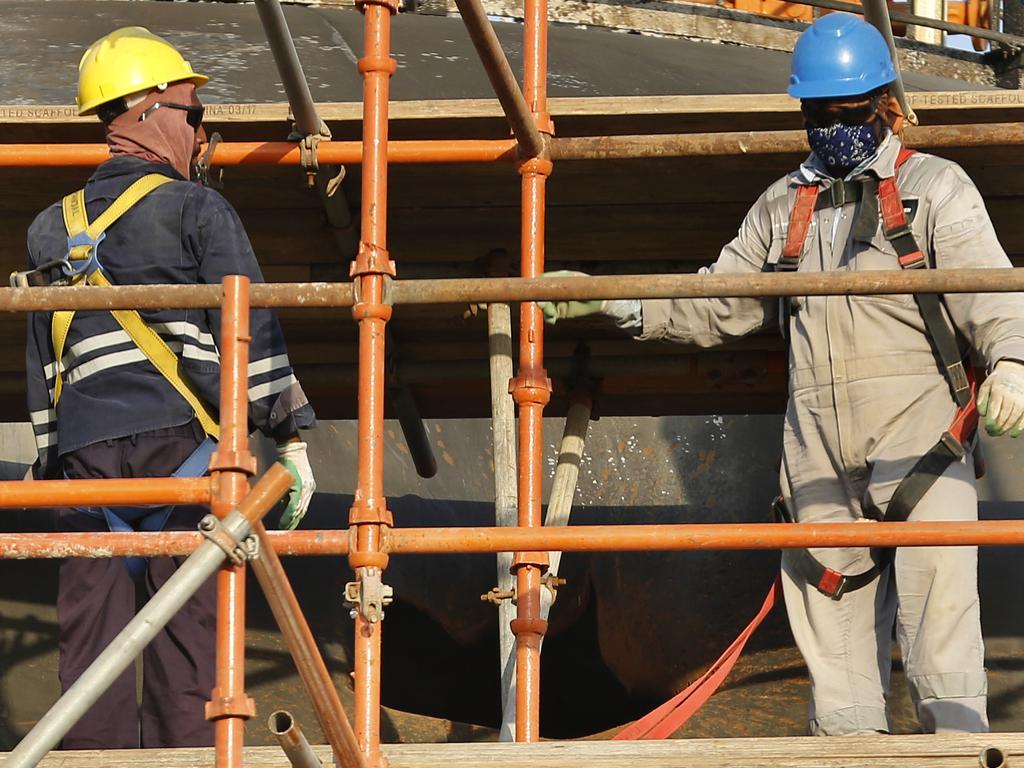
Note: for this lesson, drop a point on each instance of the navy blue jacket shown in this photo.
(179, 233)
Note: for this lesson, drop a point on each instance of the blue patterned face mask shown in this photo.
(843, 147)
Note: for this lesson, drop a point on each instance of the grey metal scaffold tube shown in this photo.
(484, 290)
(282, 47)
(123, 649)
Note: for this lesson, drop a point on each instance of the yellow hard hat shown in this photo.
(126, 61)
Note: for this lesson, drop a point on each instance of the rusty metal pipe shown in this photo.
(231, 466)
(726, 143)
(577, 538)
(499, 72)
(308, 661)
(372, 267)
(272, 153)
(767, 142)
(26, 546)
(123, 649)
(292, 740)
(108, 493)
(307, 121)
(531, 388)
(497, 289)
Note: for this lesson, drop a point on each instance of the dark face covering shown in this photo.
(844, 135)
(164, 136)
(843, 147)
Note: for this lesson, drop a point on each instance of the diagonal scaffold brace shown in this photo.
(194, 572)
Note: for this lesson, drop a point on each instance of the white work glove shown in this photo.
(292, 456)
(1001, 399)
(625, 312)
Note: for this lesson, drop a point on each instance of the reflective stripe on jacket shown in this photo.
(180, 233)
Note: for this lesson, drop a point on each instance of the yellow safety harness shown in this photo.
(83, 238)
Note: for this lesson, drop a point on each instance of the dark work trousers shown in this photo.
(96, 599)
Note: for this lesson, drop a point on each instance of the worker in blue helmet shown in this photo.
(883, 408)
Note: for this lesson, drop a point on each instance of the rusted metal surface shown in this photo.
(485, 151)
(231, 466)
(24, 546)
(308, 661)
(271, 153)
(484, 290)
(531, 388)
(272, 295)
(371, 268)
(768, 142)
(499, 72)
(576, 538)
(107, 493)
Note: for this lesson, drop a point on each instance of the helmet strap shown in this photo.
(892, 114)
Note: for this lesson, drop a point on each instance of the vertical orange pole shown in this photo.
(531, 389)
(230, 467)
(371, 271)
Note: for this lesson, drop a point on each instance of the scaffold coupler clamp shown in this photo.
(308, 144)
(368, 596)
(371, 260)
(497, 595)
(205, 174)
(238, 550)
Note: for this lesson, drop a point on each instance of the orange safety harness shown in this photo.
(954, 442)
(950, 448)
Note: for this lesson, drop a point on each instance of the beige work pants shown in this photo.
(930, 594)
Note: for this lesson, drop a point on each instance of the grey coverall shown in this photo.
(867, 400)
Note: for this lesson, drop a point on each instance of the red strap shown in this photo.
(799, 223)
(670, 716)
(965, 423)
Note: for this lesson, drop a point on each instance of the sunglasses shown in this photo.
(822, 114)
(193, 114)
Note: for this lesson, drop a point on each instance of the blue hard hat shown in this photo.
(839, 55)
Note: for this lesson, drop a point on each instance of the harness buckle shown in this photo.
(29, 278)
(953, 445)
(832, 584)
(958, 377)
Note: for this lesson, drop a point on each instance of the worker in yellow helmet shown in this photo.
(136, 394)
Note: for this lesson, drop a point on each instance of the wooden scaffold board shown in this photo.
(920, 751)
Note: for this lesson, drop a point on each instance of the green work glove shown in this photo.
(292, 456)
(566, 310)
(1001, 399)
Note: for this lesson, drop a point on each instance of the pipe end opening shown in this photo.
(992, 757)
(281, 721)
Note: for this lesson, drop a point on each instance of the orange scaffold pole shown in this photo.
(230, 467)
(576, 538)
(371, 271)
(531, 388)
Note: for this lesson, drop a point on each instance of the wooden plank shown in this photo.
(580, 106)
(919, 751)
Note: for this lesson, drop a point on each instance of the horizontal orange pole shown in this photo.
(634, 538)
(24, 546)
(108, 493)
(582, 538)
(272, 153)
